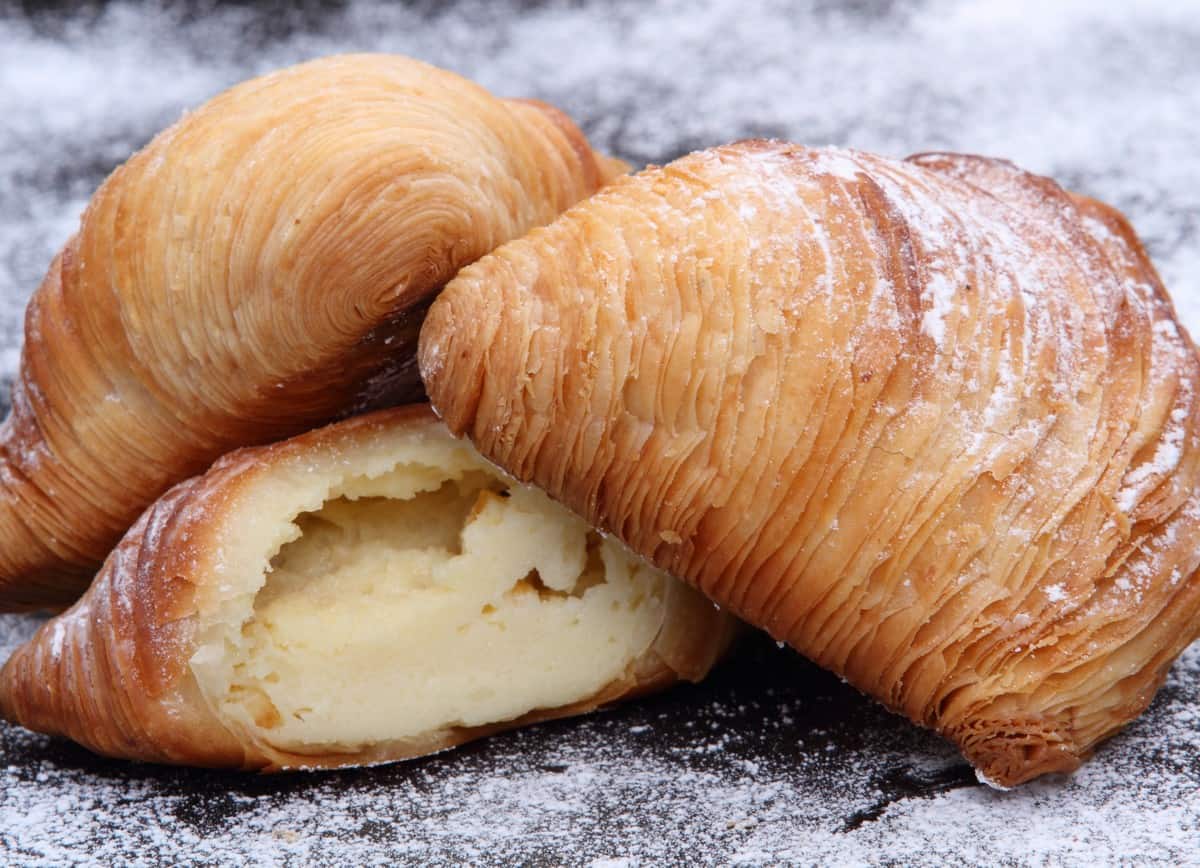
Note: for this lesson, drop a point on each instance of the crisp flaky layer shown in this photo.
(933, 422)
(260, 268)
(369, 592)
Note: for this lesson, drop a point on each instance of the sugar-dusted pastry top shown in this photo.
(261, 267)
(931, 421)
(369, 591)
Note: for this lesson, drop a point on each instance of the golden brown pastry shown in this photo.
(370, 591)
(259, 268)
(932, 422)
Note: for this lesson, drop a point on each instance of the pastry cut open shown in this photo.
(371, 591)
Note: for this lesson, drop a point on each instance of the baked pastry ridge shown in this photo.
(933, 422)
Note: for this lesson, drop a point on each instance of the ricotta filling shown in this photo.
(433, 594)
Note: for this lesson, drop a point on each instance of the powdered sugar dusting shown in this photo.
(1165, 459)
(744, 772)
(832, 161)
(770, 763)
(875, 81)
(940, 292)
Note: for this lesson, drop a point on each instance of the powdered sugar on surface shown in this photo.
(771, 761)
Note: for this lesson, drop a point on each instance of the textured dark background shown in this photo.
(771, 760)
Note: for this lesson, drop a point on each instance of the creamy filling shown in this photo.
(428, 596)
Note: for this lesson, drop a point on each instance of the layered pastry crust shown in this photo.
(260, 268)
(371, 591)
(933, 422)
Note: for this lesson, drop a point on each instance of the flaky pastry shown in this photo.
(261, 267)
(933, 422)
(369, 591)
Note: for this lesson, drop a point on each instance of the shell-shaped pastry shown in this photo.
(259, 268)
(366, 592)
(933, 422)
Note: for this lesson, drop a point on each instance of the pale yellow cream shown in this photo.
(411, 588)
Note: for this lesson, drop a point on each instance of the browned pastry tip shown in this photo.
(933, 422)
(261, 267)
(367, 592)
